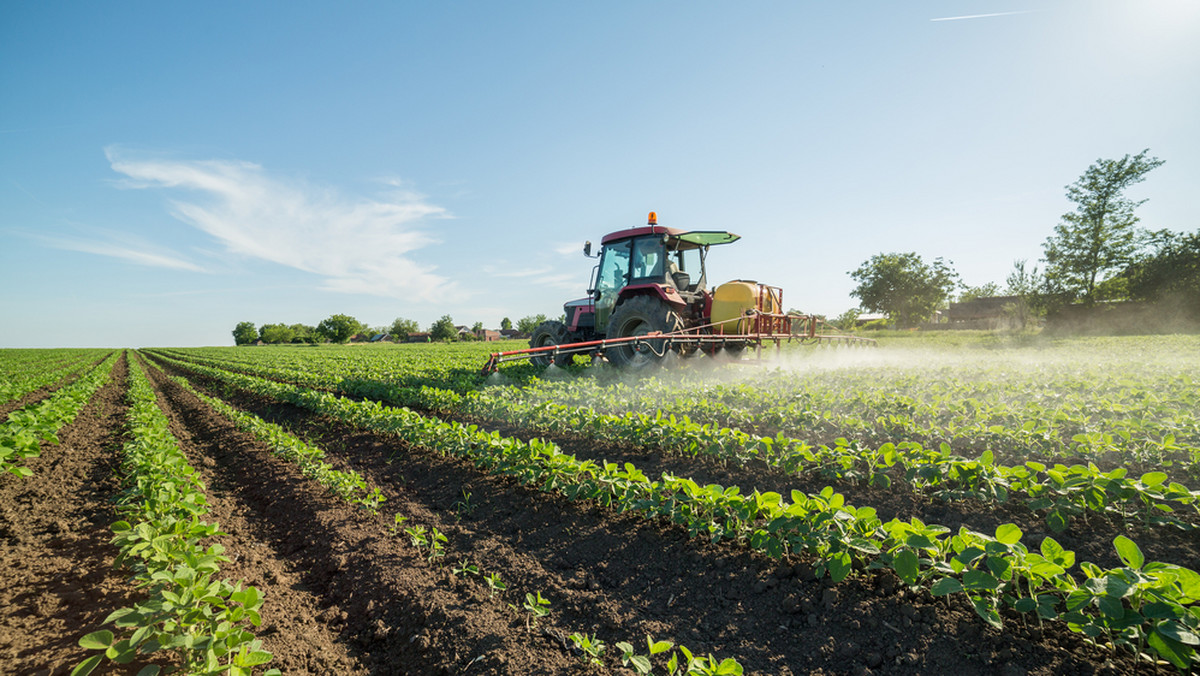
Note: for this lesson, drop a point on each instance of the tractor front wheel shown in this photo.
(639, 316)
(548, 334)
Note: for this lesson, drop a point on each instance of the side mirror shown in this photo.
(587, 249)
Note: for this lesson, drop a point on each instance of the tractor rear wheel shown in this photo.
(639, 316)
(548, 334)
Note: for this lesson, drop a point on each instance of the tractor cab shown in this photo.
(650, 260)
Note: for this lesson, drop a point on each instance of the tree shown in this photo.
(276, 333)
(506, 324)
(303, 333)
(339, 328)
(970, 293)
(1171, 271)
(528, 325)
(905, 287)
(477, 327)
(245, 333)
(443, 329)
(401, 328)
(1099, 236)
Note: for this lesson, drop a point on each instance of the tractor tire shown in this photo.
(639, 316)
(547, 334)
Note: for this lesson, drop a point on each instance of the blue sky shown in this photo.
(168, 169)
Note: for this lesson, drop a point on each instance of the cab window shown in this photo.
(648, 258)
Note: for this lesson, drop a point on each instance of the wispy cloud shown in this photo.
(134, 252)
(568, 249)
(985, 16)
(357, 245)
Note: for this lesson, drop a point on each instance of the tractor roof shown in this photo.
(694, 237)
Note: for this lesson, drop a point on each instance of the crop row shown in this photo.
(1061, 491)
(1111, 400)
(19, 378)
(351, 487)
(27, 428)
(1140, 605)
(189, 614)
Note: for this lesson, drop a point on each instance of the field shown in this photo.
(972, 503)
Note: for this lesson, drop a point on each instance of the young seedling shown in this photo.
(537, 607)
(463, 508)
(465, 568)
(590, 647)
(396, 525)
(495, 584)
(437, 548)
(417, 535)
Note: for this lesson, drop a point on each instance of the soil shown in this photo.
(56, 578)
(341, 589)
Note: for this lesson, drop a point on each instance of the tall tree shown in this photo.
(443, 329)
(1099, 235)
(276, 333)
(905, 287)
(401, 328)
(244, 333)
(505, 324)
(528, 325)
(339, 328)
(1170, 270)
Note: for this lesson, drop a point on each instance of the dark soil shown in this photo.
(614, 575)
(56, 578)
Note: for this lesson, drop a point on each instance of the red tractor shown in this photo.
(649, 294)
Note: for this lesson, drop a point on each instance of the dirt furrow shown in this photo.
(342, 596)
(56, 577)
(624, 577)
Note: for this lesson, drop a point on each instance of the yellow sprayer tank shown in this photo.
(731, 300)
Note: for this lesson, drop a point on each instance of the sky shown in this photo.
(168, 170)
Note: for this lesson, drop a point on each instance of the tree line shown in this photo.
(1096, 253)
(340, 328)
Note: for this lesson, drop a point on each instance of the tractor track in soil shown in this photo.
(56, 577)
(623, 577)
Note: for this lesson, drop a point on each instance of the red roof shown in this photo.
(643, 230)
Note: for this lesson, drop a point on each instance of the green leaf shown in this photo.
(1173, 651)
(1176, 631)
(978, 579)
(87, 666)
(907, 566)
(1008, 533)
(1025, 605)
(1154, 478)
(97, 640)
(1129, 552)
(729, 666)
(987, 612)
(946, 586)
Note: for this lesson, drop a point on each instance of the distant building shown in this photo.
(991, 312)
(487, 335)
(418, 338)
(513, 334)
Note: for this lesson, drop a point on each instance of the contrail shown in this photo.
(984, 16)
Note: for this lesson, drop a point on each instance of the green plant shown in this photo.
(590, 647)
(495, 584)
(537, 608)
(465, 568)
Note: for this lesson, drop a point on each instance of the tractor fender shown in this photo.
(667, 294)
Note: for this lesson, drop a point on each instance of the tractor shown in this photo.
(649, 295)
